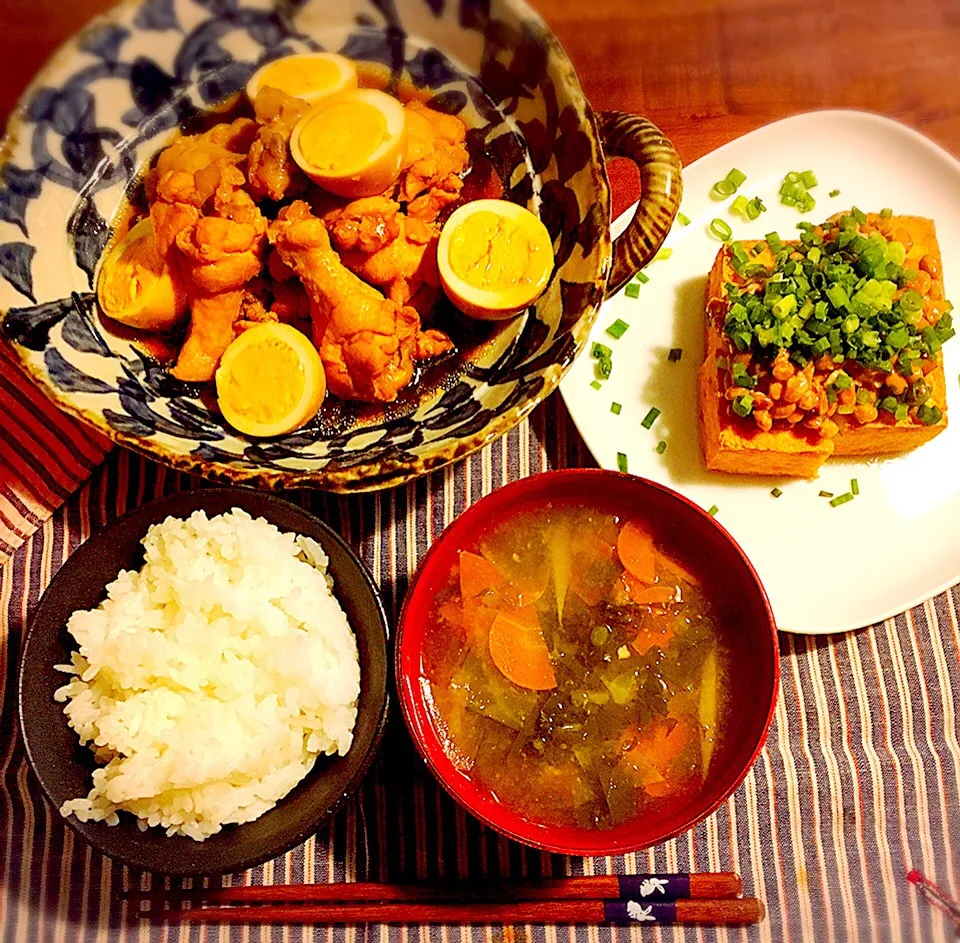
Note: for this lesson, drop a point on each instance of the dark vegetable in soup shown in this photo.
(574, 669)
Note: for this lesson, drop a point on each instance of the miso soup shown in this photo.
(574, 669)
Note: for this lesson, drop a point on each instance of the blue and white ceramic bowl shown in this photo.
(114, 95)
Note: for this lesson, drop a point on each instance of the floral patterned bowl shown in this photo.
(112, 97)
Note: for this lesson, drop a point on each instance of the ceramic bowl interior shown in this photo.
(64, 767)
(739, 604)
(104, 106)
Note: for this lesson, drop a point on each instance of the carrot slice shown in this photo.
(644, 595)
(478, 575)
(647, 638)
(518, 649)
(636, 551)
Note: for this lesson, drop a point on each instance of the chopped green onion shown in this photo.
(929, 415)
(661, 447)
(622, 461)
(675, 354)
(632, 290)
(604, 357)
(854, 486)
(650, 418)
(755, 207)
(721, 230)
(596, 384)
(826, 494)
(858, 215)
(739, 205)
(618, 329)
(615, 408)
(600, 350)
(886, 213)
(683, 219)
(743, 405)
(643, 278)
(911, 301)
(776, 492)
(795, 190)
(736, 177)
(843, 381)
(663, 255)
(844, 498)
(834, 193)
(713, 510)
(722, 189)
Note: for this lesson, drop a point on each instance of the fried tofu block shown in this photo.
(738, 446)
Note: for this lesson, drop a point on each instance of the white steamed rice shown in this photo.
(210, 681)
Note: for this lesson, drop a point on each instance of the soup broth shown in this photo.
(575, 670)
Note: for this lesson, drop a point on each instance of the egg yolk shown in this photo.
(492, 253)
(343, 136)
(265, 381)
(299, 77)
(133, 274)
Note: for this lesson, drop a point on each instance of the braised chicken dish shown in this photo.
(322, 213)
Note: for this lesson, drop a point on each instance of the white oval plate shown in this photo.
(826, 569)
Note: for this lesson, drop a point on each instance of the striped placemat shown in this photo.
(44, 455)
(858, 781)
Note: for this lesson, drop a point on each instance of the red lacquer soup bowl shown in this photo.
(740, 610)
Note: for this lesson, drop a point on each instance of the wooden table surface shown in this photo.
(705, 70)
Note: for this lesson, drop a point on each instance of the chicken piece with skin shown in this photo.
(436, 152)
(387, 248)
(367, 343)
(218, 256)
(188, 173)
(271, 167)
(214, 254)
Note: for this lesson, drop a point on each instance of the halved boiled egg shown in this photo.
(495, 258)
(352, 143)
(270, 380)
(310, 76)
(135, 285)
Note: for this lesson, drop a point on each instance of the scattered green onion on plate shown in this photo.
(721, 229)
(650, 418)
(618, 328)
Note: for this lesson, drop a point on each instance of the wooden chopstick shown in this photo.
(640, 887)
(621, 913)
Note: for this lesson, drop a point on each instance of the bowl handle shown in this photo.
(661, 187)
